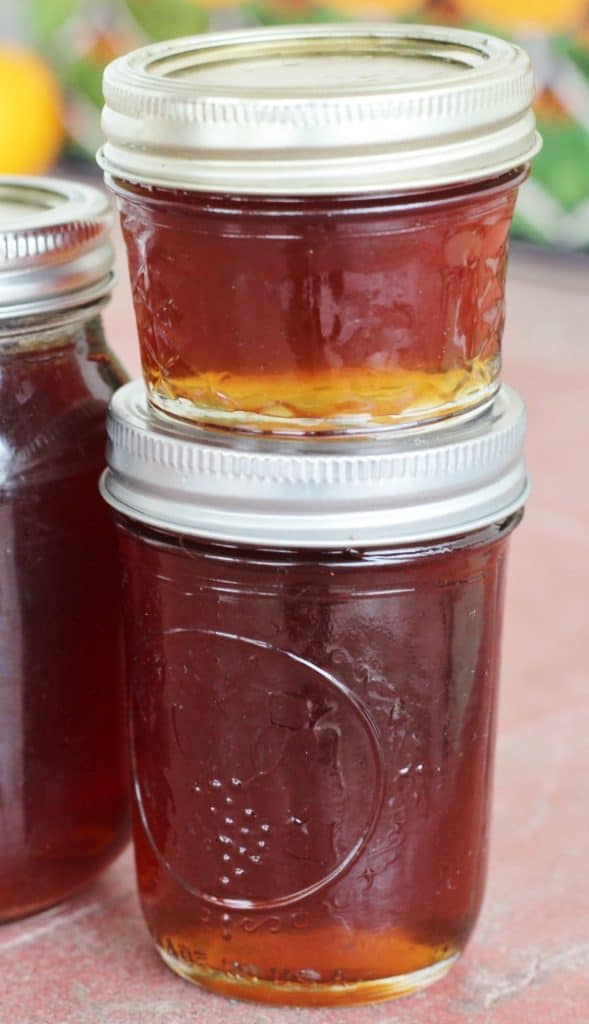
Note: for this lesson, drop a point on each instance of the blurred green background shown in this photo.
(52, 53)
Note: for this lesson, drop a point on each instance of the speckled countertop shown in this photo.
(91, 962)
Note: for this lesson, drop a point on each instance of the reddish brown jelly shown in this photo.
(312, 740)
(319, 315)
(63, 764)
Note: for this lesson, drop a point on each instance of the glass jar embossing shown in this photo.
(238, 814)
(312, 719)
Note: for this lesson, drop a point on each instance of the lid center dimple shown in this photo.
(333, 66)
(17, 202)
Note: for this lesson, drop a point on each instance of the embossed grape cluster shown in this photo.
(242, 837)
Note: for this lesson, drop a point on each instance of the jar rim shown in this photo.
(337, 558)
(351, 206)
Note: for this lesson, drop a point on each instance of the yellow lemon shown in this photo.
(551, 14)
(31, 124)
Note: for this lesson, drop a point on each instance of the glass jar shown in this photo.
(63, 765)
(313, 649)
(316, 221)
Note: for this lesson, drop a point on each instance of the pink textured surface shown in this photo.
(91, 962)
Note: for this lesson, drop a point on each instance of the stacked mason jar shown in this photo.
(314, 487)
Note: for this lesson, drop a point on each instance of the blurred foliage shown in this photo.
(164, 19)
(47, 16)
(562, 166)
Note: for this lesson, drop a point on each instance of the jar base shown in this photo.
(348, 428)
(69, 890)
(295, 994)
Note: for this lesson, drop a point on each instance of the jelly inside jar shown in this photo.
(319, 315)
(64, 799)
(312, 740)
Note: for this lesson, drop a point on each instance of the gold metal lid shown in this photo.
(319, 109)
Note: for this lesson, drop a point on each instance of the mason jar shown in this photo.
(316, 221)
(64, 801)
(312, 651)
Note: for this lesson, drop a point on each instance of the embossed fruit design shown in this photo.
(232, 836)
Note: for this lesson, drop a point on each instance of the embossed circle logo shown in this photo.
(259, 776)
